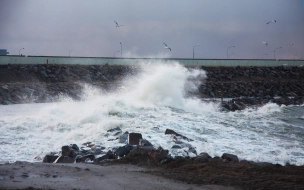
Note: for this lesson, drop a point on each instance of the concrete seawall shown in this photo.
(4, 60)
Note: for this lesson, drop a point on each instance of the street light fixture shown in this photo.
(264, 55)
(228, 49)
(20, 50)
(115, 52)
(120, 49)
(275, 51)
(70, 53)
(193, 49)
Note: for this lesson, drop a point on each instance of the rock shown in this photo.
(68, 151)
(123, 138)
(192, 150)
(7, 102)
(170, 131)
(230, 157)
(84, 158)
(204, 155)
(5, 87)
(67, 71)
(49, 159)
(75, 147)
(133, 138)
(280, 101)
(176, 147)
(43, 73)
(107, 156)
(122, 151)
(64, 159)
(5, 95)
(144, 142)
(159, 154)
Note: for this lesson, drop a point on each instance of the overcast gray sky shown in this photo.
(56, 27)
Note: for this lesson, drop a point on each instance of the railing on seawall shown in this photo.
(4, 60)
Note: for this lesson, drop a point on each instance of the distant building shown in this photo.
(3, 52)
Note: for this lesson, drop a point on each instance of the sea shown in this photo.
(154, 100)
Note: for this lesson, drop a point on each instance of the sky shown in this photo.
(87, 28)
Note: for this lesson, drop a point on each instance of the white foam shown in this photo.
(150, 103)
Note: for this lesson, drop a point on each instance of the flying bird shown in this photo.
(117, 25)
(265, 43)
(272, 21)
(167, 46)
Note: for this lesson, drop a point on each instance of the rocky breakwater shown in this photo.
(254, 86)
(247, 86)
(199, 168)
(49, 83)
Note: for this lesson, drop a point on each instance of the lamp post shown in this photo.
(70, 53)
(228, 50)
(264, 55)
(193, 49)
(120, 49)
(20, 50)
(275, 51)
(115, 52)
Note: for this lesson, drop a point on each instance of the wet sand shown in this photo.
(24, 175)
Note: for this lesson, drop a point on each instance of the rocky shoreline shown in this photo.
(246, 86)
(227, 170)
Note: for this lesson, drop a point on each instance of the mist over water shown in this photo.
(149, 103)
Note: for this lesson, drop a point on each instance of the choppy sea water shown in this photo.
(150, 103)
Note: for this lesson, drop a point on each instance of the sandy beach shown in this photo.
(25, 175)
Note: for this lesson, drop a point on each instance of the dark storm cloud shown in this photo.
(87, 27)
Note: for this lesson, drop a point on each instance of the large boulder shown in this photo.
(134, 138)
(49, 159)
(68, 151)
(230, 157)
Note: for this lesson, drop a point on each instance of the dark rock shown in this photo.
(192, 150)
(49, 159)
(280, 101)
(176, 147)
(122, 151)
(230, 157)
(5, 95)
(144, 142)
(133, 138)
(123, 138)
(204, 155)
(84, 158)
(108, 156)
(170, 131)
(64, 159)
(75, 147)
(68, 151)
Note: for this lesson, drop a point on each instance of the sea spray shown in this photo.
(149, 103)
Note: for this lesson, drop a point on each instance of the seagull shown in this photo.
(265, 43)
(271, 21)
(167, 46)
(117, 24)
